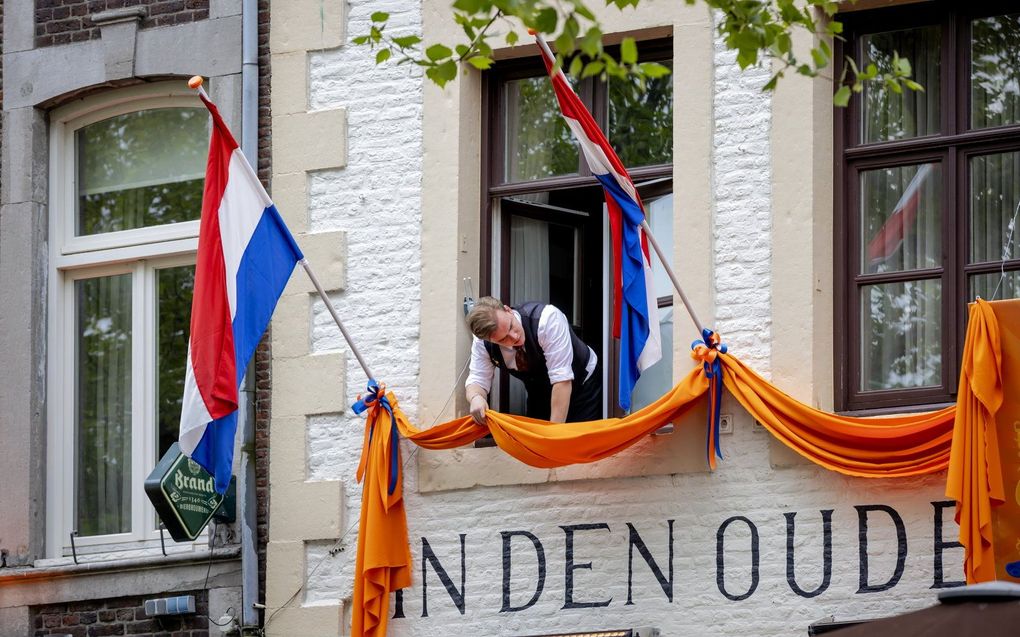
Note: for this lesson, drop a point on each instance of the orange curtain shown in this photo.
(961, 439)
(975, 473)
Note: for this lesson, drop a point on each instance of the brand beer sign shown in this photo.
(183, 494)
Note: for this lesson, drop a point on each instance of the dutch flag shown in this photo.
(636, 310)
(245, 257)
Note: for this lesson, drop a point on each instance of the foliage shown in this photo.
(757, 30)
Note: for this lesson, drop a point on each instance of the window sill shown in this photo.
(682, 451)
(868, 412)
(110, 562)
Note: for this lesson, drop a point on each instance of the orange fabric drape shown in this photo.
(882, 447)
(384, 561)
(961, 439)
(975, 475)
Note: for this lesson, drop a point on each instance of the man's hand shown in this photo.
(478, 407)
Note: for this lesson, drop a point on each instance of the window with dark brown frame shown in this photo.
(543, 226)
(927, 187)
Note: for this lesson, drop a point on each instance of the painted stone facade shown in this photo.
(766, 545)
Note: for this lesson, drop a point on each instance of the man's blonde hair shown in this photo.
(481, 320)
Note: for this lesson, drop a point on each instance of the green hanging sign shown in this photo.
(183, 494)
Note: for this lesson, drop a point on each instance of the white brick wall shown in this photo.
(376, 200)
(742, 224)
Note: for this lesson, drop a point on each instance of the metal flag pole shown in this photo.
(196, 84)
(663, 259)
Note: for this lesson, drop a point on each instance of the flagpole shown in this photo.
(663, 259)
(336, 317)
(196, 84)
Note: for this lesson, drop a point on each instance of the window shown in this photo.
(544, 228)
(927, 186)
(127, 176)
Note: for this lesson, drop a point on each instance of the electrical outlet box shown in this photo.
(725, 424)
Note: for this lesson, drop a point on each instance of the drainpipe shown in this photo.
(246, 479)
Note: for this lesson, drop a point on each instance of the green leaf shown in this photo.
(575, 66)
(819, 58)
(842, 96)
(584, 12)
(406, 41)
(441, 74)
(382, 56)
(564, 44)
(628, 51)
(480, 62)
(913, 86)
(654, 69)
(592, 68)
(903, 66)
(361, 39)
(834, 28)
(511, 38)
(462, 50)
(546, 20)
(375, 34)
(438, 52)
(380, 16)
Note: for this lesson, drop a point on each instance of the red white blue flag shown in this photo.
(245, 257)
(889, 238)
(636, 313)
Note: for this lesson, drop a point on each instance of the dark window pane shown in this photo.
(538, 141)
(174, 287)
(141, 169)
(901, 335)
(901, 214)
(103, 405)
(889, 115)
(641, 122)
(994, 196)
(995, 286)
(995, 71)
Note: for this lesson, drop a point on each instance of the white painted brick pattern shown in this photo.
(742, 226)
(376, 199)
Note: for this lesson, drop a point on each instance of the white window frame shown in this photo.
(139, 252)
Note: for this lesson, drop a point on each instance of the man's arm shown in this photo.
(559, 403)
(478, 402)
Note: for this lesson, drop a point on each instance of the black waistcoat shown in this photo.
(536, 379)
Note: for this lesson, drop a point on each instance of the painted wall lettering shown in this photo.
(901, 546)
(635, 542)
(720, 566)
(941, 545)
(791, 577)
(508, 564)
(428, 556)
(570, 566)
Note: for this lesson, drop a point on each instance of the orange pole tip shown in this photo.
(195, 82)
(532, 32)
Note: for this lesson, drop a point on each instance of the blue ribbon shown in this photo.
(714, 373)
(375, 395)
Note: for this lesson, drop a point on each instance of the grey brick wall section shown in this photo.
(66, 21)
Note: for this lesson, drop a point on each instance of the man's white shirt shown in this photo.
(553, 338)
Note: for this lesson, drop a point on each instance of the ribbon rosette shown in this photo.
(374, 399)
(707, 352)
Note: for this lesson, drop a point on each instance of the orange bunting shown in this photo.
(963, 440)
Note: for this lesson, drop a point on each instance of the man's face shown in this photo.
(508, 332)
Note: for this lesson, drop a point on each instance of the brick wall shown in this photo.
(122, 616)
(65, 21)
(263, 355)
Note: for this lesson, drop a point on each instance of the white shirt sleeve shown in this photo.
(554, 338)
(481, 369)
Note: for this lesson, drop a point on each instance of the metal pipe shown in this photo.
(246, 476)
(336, 317)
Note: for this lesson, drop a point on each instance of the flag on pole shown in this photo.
(890, 236)
(636, 310)
(245, 257)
